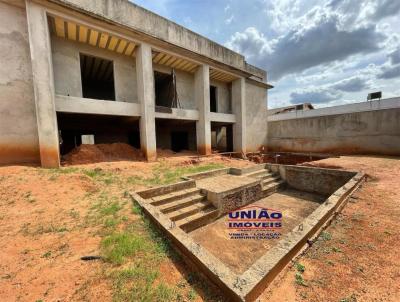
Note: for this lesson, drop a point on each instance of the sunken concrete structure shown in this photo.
(116, 72)
(195, 214)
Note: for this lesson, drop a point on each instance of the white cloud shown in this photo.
(326, 53)
(315, 95)
(352, 84)
(390, 72)
(251, 43)
(229, 20)
(308, 45)
(282, 14)
(385, 8)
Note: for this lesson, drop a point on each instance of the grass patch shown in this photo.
(164, 174)
(74, 213)
(110, 209)
(136, 253)
(56, 172)
(326, 236)
(300, 267)
(173, 175)
(117, 247)
(300, 280)
(41, 229)
(336, 249)
(100, 175)
(191, 295)
(105, 211)
(137, 284)
(47, 254)
(134, 248)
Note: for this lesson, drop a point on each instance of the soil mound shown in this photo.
(87, 154)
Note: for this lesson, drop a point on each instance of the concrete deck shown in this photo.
(225, 183)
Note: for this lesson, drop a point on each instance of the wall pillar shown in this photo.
(145, 89)
(239, 109)
(43, 84)
(202, 96)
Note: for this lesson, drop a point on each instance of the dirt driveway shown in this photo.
(357, 258)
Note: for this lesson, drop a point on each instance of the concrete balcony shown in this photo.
(68, 104)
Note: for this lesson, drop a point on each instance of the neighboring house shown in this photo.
(111, 71)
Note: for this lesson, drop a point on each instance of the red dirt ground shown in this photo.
(43, 231)
(43, 235)
(361, 261)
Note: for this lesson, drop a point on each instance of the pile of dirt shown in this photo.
(86, 154)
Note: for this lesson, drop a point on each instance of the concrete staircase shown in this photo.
(188, 208)
(270, 182)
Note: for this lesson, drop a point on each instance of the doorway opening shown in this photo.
(179, 141)
(221, 137)
(213, 99)
(176, 135)
(97, 77)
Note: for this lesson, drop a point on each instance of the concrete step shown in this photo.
(259, 174)
(181, 203)
(166, 198)
(189, 210)
(269, 180)
(198, 220)
(273, 186)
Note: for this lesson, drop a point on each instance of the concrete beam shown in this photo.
(43, 83)
(145, 89)
(222, 117)
(202, 97)
(239, 109)
(179, 114)
(71, 104)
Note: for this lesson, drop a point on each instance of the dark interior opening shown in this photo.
(213, 99)
(97, 78)
(105, 129)
(176, 135)
(221, 137)
(164, 89)
(179, 141)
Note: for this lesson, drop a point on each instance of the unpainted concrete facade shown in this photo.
(361, 128)
(40, 45)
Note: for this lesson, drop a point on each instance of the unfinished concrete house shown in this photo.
(109, 71)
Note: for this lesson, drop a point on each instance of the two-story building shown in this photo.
(115, 72)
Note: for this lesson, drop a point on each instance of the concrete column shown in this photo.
(239, 109)
(43, 83)
(145, 89)
(202, 96)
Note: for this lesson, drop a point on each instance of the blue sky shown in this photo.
(325, 52)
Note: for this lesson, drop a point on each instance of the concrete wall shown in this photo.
(223, 96)
(146, 22)
(67, 71)
(256, 115)
(313, 180)
(185, 89)
(366, 132)
(18, 125)
(184, 86)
